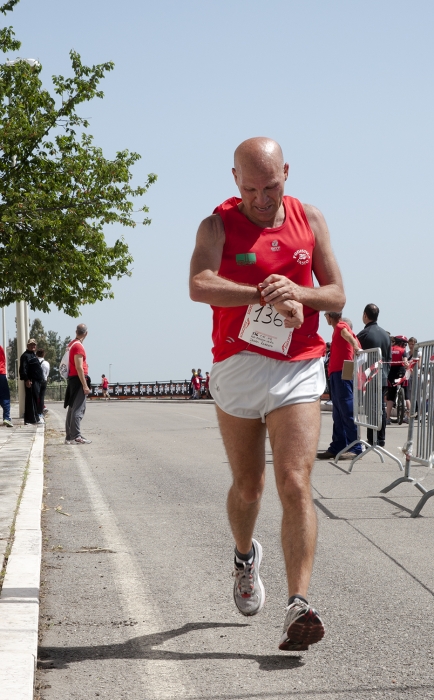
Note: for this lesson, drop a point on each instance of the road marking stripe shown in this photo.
(161, 679)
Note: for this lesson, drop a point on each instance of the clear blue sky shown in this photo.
(345, 86)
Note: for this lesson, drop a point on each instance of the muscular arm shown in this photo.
(330, 295)
(205, 284)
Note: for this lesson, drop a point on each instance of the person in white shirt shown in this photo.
(45, 366)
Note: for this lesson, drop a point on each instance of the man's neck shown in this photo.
(277, 221)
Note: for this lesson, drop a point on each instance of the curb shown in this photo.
(19, 599)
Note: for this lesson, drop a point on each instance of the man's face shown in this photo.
(328, 319)
(261, 190)
(31, 347)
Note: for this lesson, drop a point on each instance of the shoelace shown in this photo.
(244, 578)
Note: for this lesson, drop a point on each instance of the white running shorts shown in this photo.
(250, 385)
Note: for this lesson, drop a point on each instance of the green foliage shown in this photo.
(49, 341)
(53, 345)
(57, 190)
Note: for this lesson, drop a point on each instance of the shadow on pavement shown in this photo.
(142, 648)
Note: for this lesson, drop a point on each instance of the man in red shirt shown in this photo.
(196, 386)
(397, 371)
(253, 263)
(105, 383)
(78, 388)
(344, 344)
(5, 397)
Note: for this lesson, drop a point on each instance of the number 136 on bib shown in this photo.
(265, 328)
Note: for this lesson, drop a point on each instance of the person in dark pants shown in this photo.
(190, 388)
(32, 376)
(78, 388)
(45, 366)
(373, 336)
(5, 397)
(344, 344)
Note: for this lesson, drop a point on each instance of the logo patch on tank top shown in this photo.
(275, 246)
(302, 256)
(246, 258)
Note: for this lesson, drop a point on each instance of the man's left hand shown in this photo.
(277, 288)
(292, 311)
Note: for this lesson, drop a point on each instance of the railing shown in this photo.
(367, 404)
(171, 388)
(55, 390)
(419, 447)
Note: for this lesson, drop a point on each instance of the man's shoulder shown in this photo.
(76, 347)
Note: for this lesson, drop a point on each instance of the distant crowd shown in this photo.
(199, 386)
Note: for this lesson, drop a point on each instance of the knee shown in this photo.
(295, 486)
(249, 491)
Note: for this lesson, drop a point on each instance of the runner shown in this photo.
(104, 386)
(253, 263)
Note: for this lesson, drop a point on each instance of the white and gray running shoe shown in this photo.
(80, 440)
(302, 627)
(249, 592)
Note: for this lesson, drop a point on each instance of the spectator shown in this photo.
(199, 374)
(32, 375)
(196, 386)
(190, 388)
(45, 366)
(411, 343)
(5, 397)
(397, 371)
(207, 392)
(343, 345)
(373, 336)
(78, 388)
(105, 383)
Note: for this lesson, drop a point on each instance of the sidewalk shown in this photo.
(21, 484)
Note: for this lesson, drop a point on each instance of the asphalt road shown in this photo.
(137, 586)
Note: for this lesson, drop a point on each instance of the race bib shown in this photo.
(264, 327)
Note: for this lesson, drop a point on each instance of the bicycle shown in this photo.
(400, 393)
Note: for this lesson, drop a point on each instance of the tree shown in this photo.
(57, 190)
(49, 341)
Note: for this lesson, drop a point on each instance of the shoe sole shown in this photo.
(258, 559)
(307, 630)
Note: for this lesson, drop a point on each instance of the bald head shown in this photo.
(81, 329)
(260, 173)
(260, 153)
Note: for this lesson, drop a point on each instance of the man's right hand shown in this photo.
(28, 383)
(86, 390)
(292, 311)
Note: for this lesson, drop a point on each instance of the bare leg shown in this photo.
(294, 433)
(244, 441)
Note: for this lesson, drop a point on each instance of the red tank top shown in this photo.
(252, 253)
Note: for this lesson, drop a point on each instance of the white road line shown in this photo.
(208, 420)
(161, 679)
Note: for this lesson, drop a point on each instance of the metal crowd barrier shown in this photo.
(139, 390)
(367, 404)
(419, 447)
